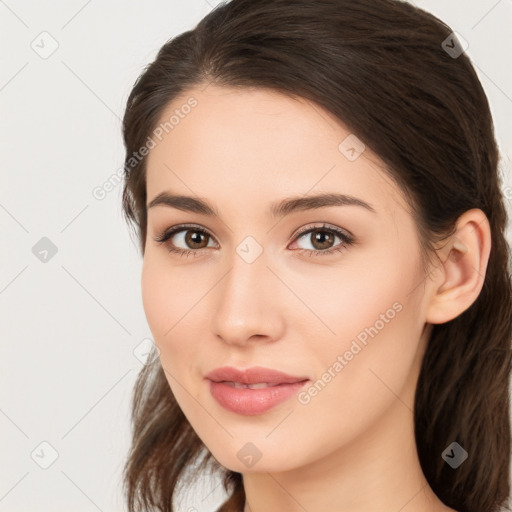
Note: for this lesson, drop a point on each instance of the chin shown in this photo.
(248, 457)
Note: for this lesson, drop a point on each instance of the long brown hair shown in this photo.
(395, 75)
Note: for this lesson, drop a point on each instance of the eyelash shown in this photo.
(347, 240)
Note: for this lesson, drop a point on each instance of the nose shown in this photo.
(247, 307)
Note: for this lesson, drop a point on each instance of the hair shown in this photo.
(380, 67)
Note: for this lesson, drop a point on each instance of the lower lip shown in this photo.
(253, 401)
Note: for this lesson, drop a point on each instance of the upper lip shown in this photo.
(253, 375)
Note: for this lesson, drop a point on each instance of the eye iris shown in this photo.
(324, 237)
(193, 238)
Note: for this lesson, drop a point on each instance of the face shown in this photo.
(328, 292)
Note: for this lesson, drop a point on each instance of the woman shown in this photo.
(314, 187)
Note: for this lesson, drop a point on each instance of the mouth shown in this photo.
(252, 391)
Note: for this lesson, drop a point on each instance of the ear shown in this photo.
(460, 276)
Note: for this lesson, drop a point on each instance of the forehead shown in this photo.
(260, 143)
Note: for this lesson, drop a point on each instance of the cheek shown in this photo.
(163, 303)
(154, 298)
(160, 303)
(376, 322)
(170, 312)
(366, 367)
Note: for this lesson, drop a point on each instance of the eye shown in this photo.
(190, 236)
(321, 239)
(195, 238)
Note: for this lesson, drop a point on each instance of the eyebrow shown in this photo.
(279, 209)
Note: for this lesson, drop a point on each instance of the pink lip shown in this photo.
(252, 375)
(252, 401)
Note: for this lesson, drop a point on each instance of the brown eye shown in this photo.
(322, 239)
(191, 239)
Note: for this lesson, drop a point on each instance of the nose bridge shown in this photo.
(245, 299)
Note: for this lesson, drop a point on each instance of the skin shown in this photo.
(352, 446)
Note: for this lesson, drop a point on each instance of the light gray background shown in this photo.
(70, 325)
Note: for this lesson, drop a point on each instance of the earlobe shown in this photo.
(464, 260)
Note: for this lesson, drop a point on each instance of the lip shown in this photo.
(252, 401)
(252, 375)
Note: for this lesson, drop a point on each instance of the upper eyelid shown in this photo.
(187, 227)
(326, 226)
